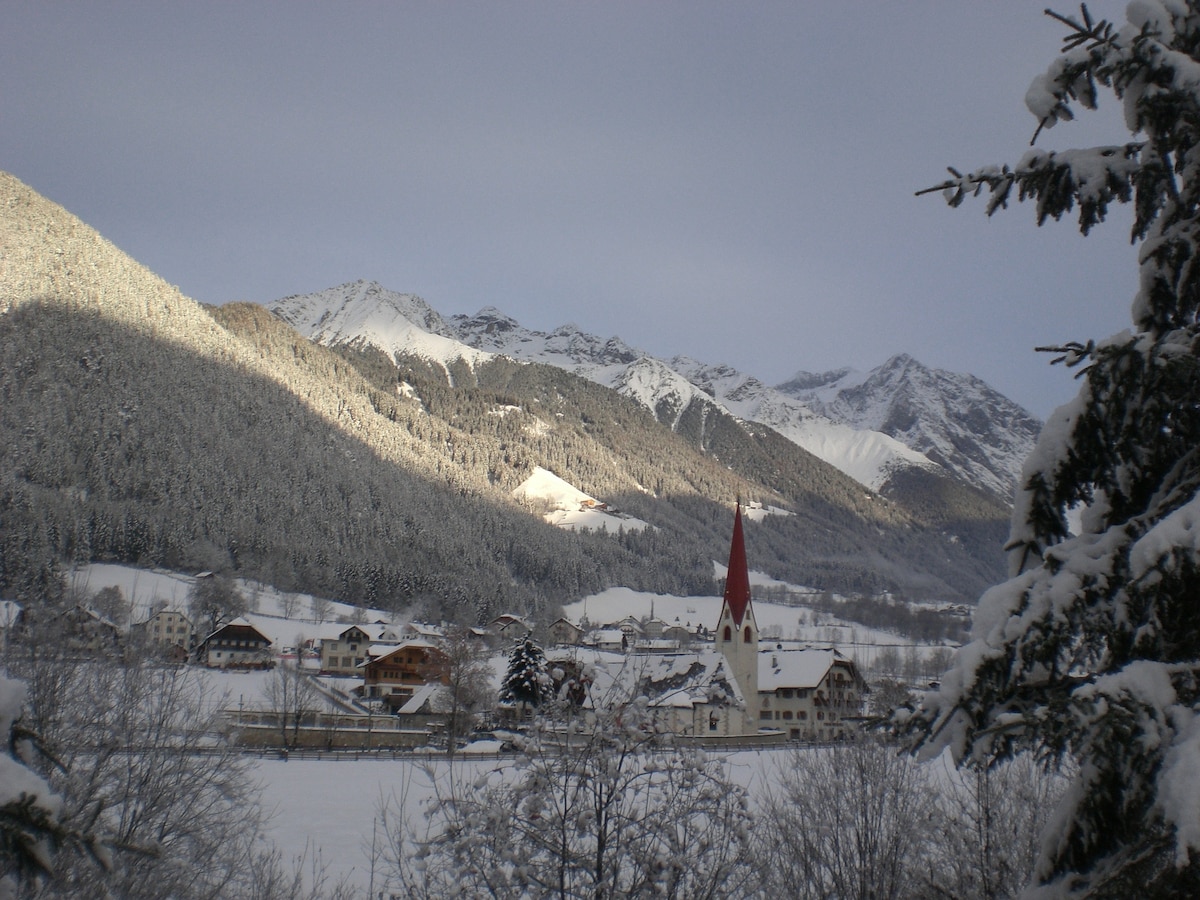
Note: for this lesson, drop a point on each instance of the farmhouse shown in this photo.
(397, 673)
(345, 652)
(236, 645)
(167, 633)
(565, 632)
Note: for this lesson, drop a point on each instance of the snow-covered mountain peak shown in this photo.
(720, 381)
(956, 420)
(335, 312)
(489, 320)
(823, 385)
(866, 424)
(364, 311)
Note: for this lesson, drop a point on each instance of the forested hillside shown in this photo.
(139, 426)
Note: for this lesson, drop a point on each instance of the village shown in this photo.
(375, 685)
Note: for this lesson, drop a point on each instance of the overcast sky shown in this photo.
(731, 181)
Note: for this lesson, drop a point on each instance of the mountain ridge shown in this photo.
(834, 416)
(143, 427)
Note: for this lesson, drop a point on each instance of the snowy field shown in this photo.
(328, 811)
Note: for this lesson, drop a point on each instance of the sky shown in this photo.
(728, 181)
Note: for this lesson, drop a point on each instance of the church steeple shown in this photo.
(737, 630)
(737, 577)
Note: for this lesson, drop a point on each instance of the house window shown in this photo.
(802, 715)
(765, 714)
(787, 714)
(786, 693)
(347, 662)
(746, 635)
(728, 633)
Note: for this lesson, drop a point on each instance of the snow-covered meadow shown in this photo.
(327, 811)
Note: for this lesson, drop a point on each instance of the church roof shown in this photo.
(737, 578)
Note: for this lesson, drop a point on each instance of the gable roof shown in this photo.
(242, 629)
(390, 650)
(797, 668)
(420, 697)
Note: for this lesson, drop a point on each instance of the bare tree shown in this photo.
(288, 604)
(136, 755)
(214, 601)
(610, 809)
(989, 825)
(110, 602)
(292, 698)
(321, 608)
(462, 666)
(843, 821)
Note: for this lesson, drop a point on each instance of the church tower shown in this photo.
(737, 630)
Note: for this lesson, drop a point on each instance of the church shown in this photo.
(736, 635)
(734, 689)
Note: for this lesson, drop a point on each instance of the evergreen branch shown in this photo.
(1099, 33)
(1071, 354)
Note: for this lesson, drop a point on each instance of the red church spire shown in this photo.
(737, 579)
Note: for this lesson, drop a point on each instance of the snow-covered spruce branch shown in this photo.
(1093, 178)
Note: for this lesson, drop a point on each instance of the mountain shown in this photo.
(378, 466)
(139, 426)
(898, 417)
(865, 455)
(956, 421)
(718, 411)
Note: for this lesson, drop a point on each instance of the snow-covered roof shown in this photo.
(241, 623)
(392, 649)
(421, 628)
(690, 679)
(377, 651)
(795, 668)
(420, 696)
(665, 679)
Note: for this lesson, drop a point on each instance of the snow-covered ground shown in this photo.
(328, 810)
(571, 508)
(144, 588)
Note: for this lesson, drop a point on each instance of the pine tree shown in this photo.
(526, 680)
(1091, 651)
